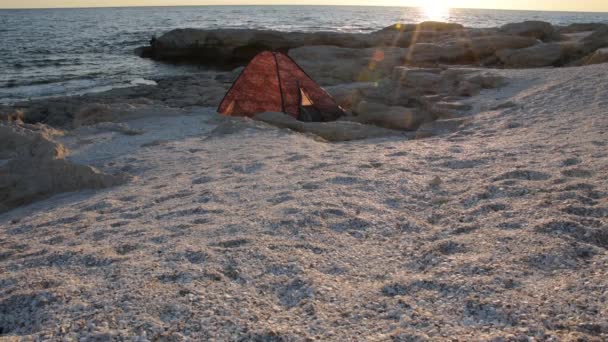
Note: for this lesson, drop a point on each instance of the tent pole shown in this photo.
(274, 54)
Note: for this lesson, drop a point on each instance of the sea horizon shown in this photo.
(292, 5)
(72, 51)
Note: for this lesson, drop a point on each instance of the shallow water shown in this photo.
(50, 52)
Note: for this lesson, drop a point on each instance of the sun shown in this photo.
(435, 10)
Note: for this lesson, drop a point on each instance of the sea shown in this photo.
(55, 52)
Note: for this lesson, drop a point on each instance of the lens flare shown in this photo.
(435, 11)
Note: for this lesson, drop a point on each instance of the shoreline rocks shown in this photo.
(423, 44)
(599, 56)
(333, 131)
(533, 29)
(34, 167)
(169, 97)
(542, 55)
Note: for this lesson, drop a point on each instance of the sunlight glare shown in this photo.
(435, 11)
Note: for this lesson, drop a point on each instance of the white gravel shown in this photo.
(497, 232)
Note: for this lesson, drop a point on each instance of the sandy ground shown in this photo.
(243, 232)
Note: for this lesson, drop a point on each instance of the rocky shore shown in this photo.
(461, 198)
(517, 45)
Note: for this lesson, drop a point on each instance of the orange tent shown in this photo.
(273, 82)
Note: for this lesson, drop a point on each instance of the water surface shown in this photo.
(51, 52)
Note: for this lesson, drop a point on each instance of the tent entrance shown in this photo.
(233, 106)
(307, 109)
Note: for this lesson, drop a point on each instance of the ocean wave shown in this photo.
(24, 82)
(71, 87)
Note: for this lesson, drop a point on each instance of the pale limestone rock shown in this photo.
(598, 57)
(393, 117)
(334, 131)
(535, 29)
(440, 127)
(597, 40)
(331, 65)
(349, 95)
(541, 55)
(35, 167)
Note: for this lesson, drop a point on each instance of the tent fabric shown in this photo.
(273, 82)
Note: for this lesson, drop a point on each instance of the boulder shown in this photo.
(331, 65)
(486, 80)
(534, 29)
(440, 127)
(231, 47)
(444, 109)
(346, 57)
(580, 27)
(191, 91)
(466, 88)
(424, 80)
(228, 125)
(424, 53)
(541, 55)
(167, 98)
(23, 140)
(455, 54)
(53, 112)
(349, 95)
(425, 86)
(464, 50)
(334, 131)
(597, 40)
(339, 65)
(10, 114)
(35, 167)
(423, 26)
(406, 39)
(478, 48)
(404, 35)
(598, 57)
(391, 92)
(393, 117)
(576, 37)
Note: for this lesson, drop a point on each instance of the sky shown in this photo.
(552, 5)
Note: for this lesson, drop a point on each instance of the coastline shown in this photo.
(74, 50)
(487, 220)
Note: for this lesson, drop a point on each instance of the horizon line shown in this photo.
(270, 5)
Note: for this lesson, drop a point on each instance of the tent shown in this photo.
(273, 82)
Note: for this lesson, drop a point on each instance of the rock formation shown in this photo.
(599, 56)
(534, 29)
(33, 167)
(334, 131)
(424, 44)
(168, 97)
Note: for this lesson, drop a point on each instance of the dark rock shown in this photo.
(541, 55)
(598, 39)
(331, 131)
(393, 117)
(580, 27)
(598, 57)
(423, 26)
(36, 167)
(534, 29)
(233, 47)
(440, 127)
